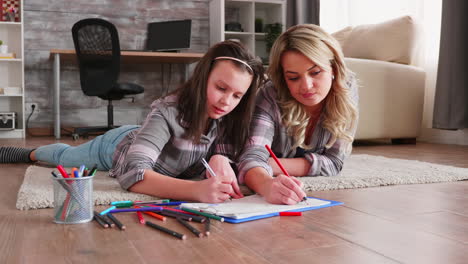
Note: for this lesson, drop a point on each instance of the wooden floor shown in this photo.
(426, 223)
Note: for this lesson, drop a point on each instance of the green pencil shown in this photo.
(204, 214)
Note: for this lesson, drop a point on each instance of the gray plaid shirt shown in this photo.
(267, 129)
(159, 145)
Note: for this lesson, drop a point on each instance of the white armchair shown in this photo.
(391, 98)
(391, 87)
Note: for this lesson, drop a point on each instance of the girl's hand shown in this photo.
(223, 169)
(284, 190)
(213, 190)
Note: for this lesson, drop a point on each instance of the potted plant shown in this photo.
(3, 47)
(258, 25)
(272, 33)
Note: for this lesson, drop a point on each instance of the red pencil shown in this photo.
(277, 160)
(280, 165)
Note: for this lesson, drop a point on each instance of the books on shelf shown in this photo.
(11, 55)
(10, 90)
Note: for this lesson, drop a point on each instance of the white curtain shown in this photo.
(337, 14)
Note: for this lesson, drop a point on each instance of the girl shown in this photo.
(208, 116)
(307, 114)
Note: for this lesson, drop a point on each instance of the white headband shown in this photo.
(235, 59)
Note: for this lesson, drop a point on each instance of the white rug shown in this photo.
(360, 171)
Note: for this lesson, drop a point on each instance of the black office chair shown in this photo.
(98, 51)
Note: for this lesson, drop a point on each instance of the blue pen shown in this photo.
(107, 210)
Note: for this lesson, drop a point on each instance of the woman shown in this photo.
(207, 117)
(307, 114)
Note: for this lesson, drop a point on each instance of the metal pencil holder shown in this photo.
(73, 200)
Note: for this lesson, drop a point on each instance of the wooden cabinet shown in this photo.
(12, 78)
(237, 20)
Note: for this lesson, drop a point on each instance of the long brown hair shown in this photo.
(193, 97)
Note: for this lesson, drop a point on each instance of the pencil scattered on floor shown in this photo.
(107, 219)
(166, 230)
(189, 227)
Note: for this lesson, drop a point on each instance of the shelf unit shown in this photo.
(244, 12)
(12, 76)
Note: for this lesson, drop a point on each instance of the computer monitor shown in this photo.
(169, 35)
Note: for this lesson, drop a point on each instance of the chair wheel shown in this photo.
(75, 136)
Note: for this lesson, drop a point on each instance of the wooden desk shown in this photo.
(127, 57)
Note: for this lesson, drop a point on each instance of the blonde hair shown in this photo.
(340, 112)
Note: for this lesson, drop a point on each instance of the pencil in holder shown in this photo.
(73, 200)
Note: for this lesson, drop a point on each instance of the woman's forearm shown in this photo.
(256, 179)
(297, 167)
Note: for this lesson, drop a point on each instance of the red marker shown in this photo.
(290, 213)
(140, 218)
(62, 171)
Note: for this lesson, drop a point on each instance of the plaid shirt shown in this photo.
(159, 145)
(267, 129)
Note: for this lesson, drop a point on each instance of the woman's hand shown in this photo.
(224, 171)
(213, 190)
(283, 190)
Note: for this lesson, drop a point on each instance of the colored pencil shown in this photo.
(196, 218)
(280, 165)
(207, 226)
(155, 215)
(175, 215)
(105, 219)
(75, 195)
(100, 221)
(219, 218)
(65, 206)
(189, 227)
(107, 210)
(165, 230)
(141, 209)
(141, 219)
(116, 221)
(277, 160)
(120, 204)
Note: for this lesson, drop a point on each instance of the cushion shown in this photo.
(393, 41)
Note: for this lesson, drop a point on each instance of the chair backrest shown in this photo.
(98, 51)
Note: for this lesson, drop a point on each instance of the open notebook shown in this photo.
(255, 207)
